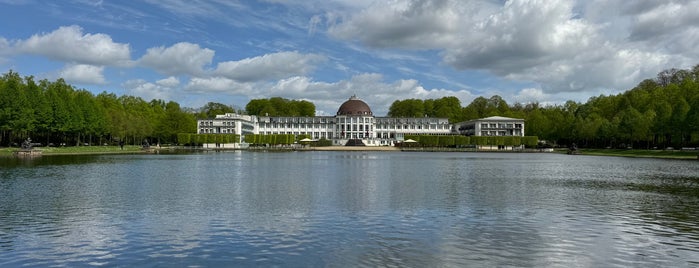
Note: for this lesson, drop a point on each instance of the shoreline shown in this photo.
(132, 149)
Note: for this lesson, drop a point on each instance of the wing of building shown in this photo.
(355, 124)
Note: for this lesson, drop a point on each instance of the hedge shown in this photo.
(190, 138)
(460, 141)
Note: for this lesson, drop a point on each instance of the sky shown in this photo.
(324, 51)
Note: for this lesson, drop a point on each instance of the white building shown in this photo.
(355, 122)
(491, 126)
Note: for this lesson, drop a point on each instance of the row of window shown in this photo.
(501, 125)
(299, 120)
(219, 123)
(412, 126)
(292, 125)
(314, 135)
(420, 120)
(343, 120)
(501, 133)
(221, 130)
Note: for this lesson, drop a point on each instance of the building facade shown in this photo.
(491, 126)
(355, 122)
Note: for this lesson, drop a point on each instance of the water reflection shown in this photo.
(349, 209)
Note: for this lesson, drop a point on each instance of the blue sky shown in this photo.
(324, 51)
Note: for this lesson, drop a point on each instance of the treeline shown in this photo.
(57, 113)
(661, 112)
(464, 141)
(277, 106)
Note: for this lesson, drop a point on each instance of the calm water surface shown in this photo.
(342, 209)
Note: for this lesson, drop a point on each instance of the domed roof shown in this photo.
(354, 106)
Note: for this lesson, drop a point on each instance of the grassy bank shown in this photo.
(670, 154)
(78, 150)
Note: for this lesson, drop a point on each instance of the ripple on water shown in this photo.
(345, 210)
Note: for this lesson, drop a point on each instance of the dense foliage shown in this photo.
(661, 112)
(273, 139)
(57, 113)
(277, 106)
(211, 109)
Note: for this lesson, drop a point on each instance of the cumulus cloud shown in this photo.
(327, 96)
(70, 44)
(169, 82)
(4, 46)
(529, 95)
(162, 89)
(181, 58)
(218, 85)
(4, 49)
(564, 45)
(270, 66)
(370, 86)
(665, 19)
(405, 24)
(83, 74)
(521, 35)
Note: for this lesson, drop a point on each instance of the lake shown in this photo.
(349, 209)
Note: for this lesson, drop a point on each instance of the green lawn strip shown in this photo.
(78, 150)
(671, 154)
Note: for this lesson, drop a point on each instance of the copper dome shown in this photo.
(354, 106)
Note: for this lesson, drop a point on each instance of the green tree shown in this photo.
(211, 109)
(407, 108)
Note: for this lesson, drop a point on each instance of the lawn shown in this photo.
(78, 150)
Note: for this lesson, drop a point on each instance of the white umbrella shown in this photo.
(409, 140)
(306, 140)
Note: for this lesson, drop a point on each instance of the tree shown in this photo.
(277, 106)
(211, 109)
(256, 106)
(407, 108)
(446, 107)
(173, 122)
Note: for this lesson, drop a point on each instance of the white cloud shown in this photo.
(83, 74)
(327, 96)
(169, 82)
(148, 91)
(69, 44)
(218, 85)
(4, 49)
(4, 46)
(370, 87)
(529, 95)
(521, 35)
(404, 24)
(270, 66)
(181, 58)
(564, 45)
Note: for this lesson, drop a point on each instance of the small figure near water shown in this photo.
(573, 149)
(27, 149)
(27, 144)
